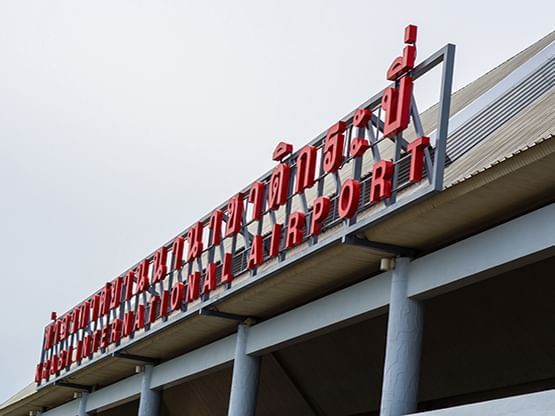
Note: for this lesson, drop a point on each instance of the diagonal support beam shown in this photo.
(316, 410)
(377, 246)
(133, 357)
(74, 386)
(225, 315)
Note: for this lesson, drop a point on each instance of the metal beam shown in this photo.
(534, 404)
(133, 357)
(377, 246)
(73, 386)
(524, 240)
(316, 410)
(226, 315)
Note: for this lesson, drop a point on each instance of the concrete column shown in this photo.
(244, 385)
(83, 404)
(403, 346)
(149, 402)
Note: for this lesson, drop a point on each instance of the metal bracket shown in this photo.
(225, 315)
(377, 246)
(74, 386)
(133, 357)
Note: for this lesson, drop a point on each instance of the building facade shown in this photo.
(400, 263)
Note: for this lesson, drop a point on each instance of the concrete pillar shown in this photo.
(403, 346)
(149, 402)
(83, 404)
(244, 385)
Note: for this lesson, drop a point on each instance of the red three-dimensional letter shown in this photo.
(195, 241)
(227, 273)
(209, 279)
(215, 226)
(382, 174)
(142, 276)
(177, 251)
(416, 150)
(348, 198)
(115, 297)
(256, 254)
(333, 147)
(160, 268)
(275, 240)
(306, 168)
(278, 187)
(320, 210)
(396, 103)
(193, 287)
(256, 198)
(234, 215)
(295, 229)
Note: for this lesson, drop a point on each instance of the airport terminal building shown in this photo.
(402, 262)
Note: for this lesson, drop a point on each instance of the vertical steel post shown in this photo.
(244, 385)
(403, 346)
(83, 404)
(149, 402)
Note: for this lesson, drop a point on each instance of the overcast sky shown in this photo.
(123, 122)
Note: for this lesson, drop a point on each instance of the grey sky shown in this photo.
(123, 122)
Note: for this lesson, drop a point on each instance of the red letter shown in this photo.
(95, 307)
(115, 296)
(256, 197)
(295, 229)
(215, 226)
(164, 303)
(129, 280)
(152, 310)
(85, 314)
(402, 64)
(306, 168)
(380, 187)
(278, 187)
(195, 241)
(117, 325)
(160, 268)
(348, 198)
(177, 250)
(275, 240)
(105, 299)
(142, 276)
(128, 320)
(193, 284)
(282, 149)
(139, 318)
(256, 255)
(209, 279)
(333, 147)
(416, 150)
(320, 210)
(234, 215)
(227, 274)
(396, 104)
(178, 294)
(38, 373)
(362, 117)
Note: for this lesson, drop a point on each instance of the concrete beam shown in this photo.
(322, 314)
(508, 246)
(534, 404)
